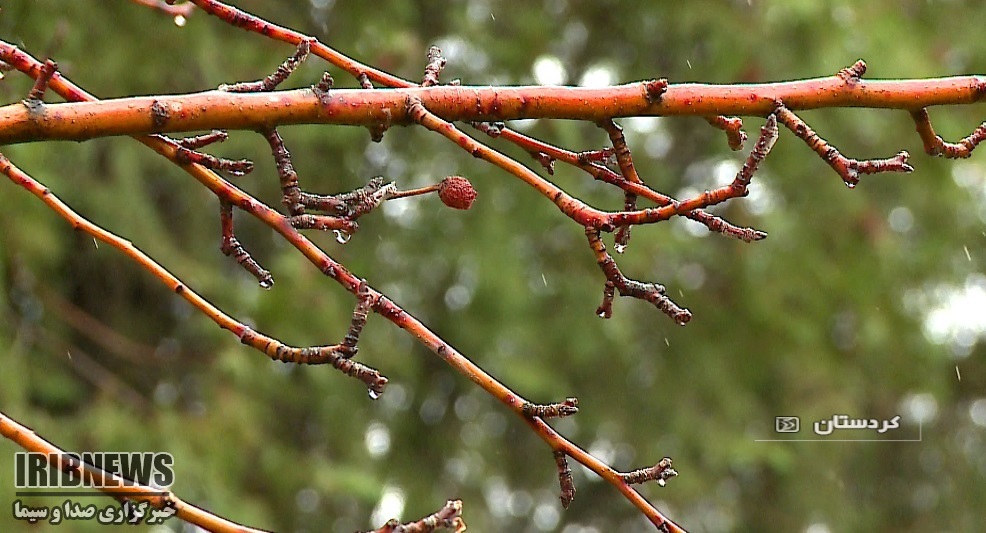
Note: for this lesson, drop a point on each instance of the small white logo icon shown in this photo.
(787, 424)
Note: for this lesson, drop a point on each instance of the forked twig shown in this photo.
(935, 145)
(848, 169)
(616, 281)
(604, 174)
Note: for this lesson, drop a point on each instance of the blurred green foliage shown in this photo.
(866, 302)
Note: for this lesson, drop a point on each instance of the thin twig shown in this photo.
(848, 169)
(650, 292)
(603, 173)
(230, 247)
(625, 161)
(41, 82)
(935, 145)
(565, 479)
(271, 82)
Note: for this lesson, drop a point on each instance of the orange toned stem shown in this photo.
(385, 107)
(41, 82)
(413, 192)
(844, 89)
(30, 441)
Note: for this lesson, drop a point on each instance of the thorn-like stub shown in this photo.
(661, 472)
(326, 82)
(655, 89)
(552, 410)
(852, 74)
(160, 114)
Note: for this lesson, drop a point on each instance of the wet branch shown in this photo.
(255, 106)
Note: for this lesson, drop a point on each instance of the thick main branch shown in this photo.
(252, 111)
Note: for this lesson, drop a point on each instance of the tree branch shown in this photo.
(358, 107)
